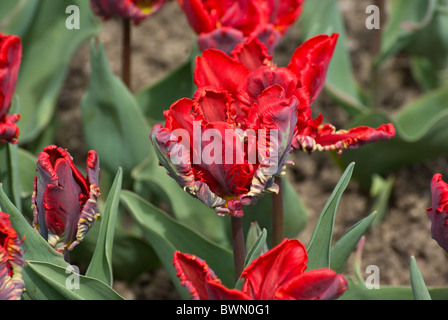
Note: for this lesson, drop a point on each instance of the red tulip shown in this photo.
(245, 98)
(10, 58)
(278, 274)
(438, 212)
(64, 201)
(224, 24)
(136, 10)
(11, 261)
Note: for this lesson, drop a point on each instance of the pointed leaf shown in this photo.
(417, 282)
(100, 266)
(343, 248)
(320, 242)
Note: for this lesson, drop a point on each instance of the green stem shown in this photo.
(126, 53)
(376, 72)
(239, 254)
(277, 214)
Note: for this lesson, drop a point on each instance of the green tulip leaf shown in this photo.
(69, 284)
(342, 249)
(167, 235)
(418, 285)
(112, 121)
(320, 241)
(100, 266)
(42, 71)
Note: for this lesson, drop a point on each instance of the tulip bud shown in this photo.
(438, 212)
(136, 10)
(64, 201)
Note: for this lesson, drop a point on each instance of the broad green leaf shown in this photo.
(42, 71)
(158, 97)
(34, 246)
(167, 235)
(112, 121)
(396, 35)
(320, 242)
(70, 285)
(324, 17)
(100, 266)
(418, 285)
(342, 249)
(16, 16)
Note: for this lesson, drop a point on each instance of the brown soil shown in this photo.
(163, 42)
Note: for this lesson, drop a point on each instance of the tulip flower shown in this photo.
(224, 24)
(64, 201)
(278, 274)
(10, 58)
(438, 212)
(246, 98)
(11, 261)
(136, 10)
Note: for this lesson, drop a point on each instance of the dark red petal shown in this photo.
(216, 69)
(310, 63)
(179, 116)
(194, 273)
(224, 39)
(438, 212)
(320, 284)
(267, 34)
(212, 104)
(242, 15)
(61, 203)
(283, 13)
(265, 77)
(197, 15)
(266, 274)
(217, 291)
(9, 131)
(252, 53)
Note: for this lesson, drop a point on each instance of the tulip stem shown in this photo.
(376, 70)
(239, 254)
(277, 214)
(126, 53)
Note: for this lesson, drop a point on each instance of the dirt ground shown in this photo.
(163, 42)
